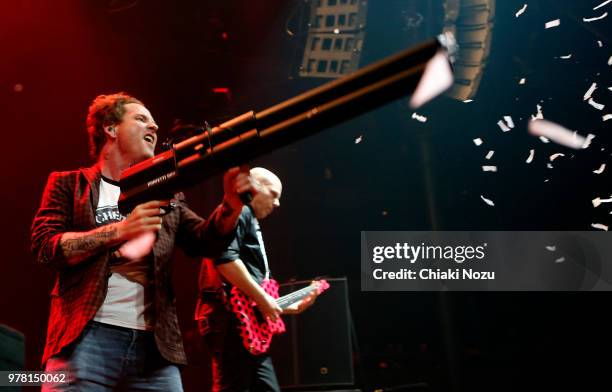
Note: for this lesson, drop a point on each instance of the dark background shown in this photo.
(403, 175)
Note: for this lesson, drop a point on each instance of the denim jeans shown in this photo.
(110, 358)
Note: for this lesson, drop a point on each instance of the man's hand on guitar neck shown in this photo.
(302, 305)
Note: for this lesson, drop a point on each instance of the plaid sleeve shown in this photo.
(53, 219)
(232, 252)
(198, 236)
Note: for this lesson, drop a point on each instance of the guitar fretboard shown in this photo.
(290, 299)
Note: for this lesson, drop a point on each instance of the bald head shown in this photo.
(265, 176)
(268, 197)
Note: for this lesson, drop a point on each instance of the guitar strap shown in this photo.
(262, 247)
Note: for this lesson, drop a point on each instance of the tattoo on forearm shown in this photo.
(79, 246)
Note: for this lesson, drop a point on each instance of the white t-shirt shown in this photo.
(129, 298)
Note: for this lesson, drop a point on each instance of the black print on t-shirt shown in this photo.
(109, 214)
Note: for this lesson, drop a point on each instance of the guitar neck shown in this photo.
(290, 299)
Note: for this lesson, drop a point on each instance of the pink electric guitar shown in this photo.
(256, 332)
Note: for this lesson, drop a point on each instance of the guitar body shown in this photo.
(256, 332)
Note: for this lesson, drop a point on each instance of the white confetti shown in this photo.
(599, 43)
(556, 133)
(530, 157)
(590, 91)
(566, 57)
(468, 101)
(477, 141)
(358, 140)
(503, 126)
(437, 77)
(598, 200)
(598, 106)
(595, 18)
(539, 115)
(560, 260)
(489, 168)
(489, 202)
(601, 169)
(544, 139)
(587, 142)
(553, 23)
(601, 5)
(599, 226)
(520, 12)
(419, 117)
(548, 165)
(607, 117)
(522, 81)
(610, 61)
(551, 248)
(490, 154)
(509, 121)
(555, 156)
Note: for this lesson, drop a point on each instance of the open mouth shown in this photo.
(149, 139)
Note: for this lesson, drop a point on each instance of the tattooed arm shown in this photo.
(80, 246)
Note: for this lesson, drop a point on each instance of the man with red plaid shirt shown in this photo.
(113, 322)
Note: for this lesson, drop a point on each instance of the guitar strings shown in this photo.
(295, 295)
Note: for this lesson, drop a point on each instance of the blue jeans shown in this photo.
(110, 358)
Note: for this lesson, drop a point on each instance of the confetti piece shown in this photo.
(567, 56)
(509, 121)
(598, 106)
(477, 141)
(489, 168)
(555, 156)
(489, 202)
(601, 169)
(601, 5)
(607, 117)
(419, 117)
(436, 78)
(598, 200)
(560, 260)
(522, 81)
(556, 133)
(587, 142)
(553, 23)
(610, 61)
(520, 12)
(530, 157)
(358, 140)
(548, 165)
(599, 226)
(539, 115)
(490, 154)
(595, 18)
(468, 101)
(138, 247)
(551, 248)
(599, 43)
(503, 126)
(544, 140)
(590, 91)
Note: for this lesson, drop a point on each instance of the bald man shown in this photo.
(244, 264)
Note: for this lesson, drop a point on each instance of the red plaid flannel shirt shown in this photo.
(68, 205)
